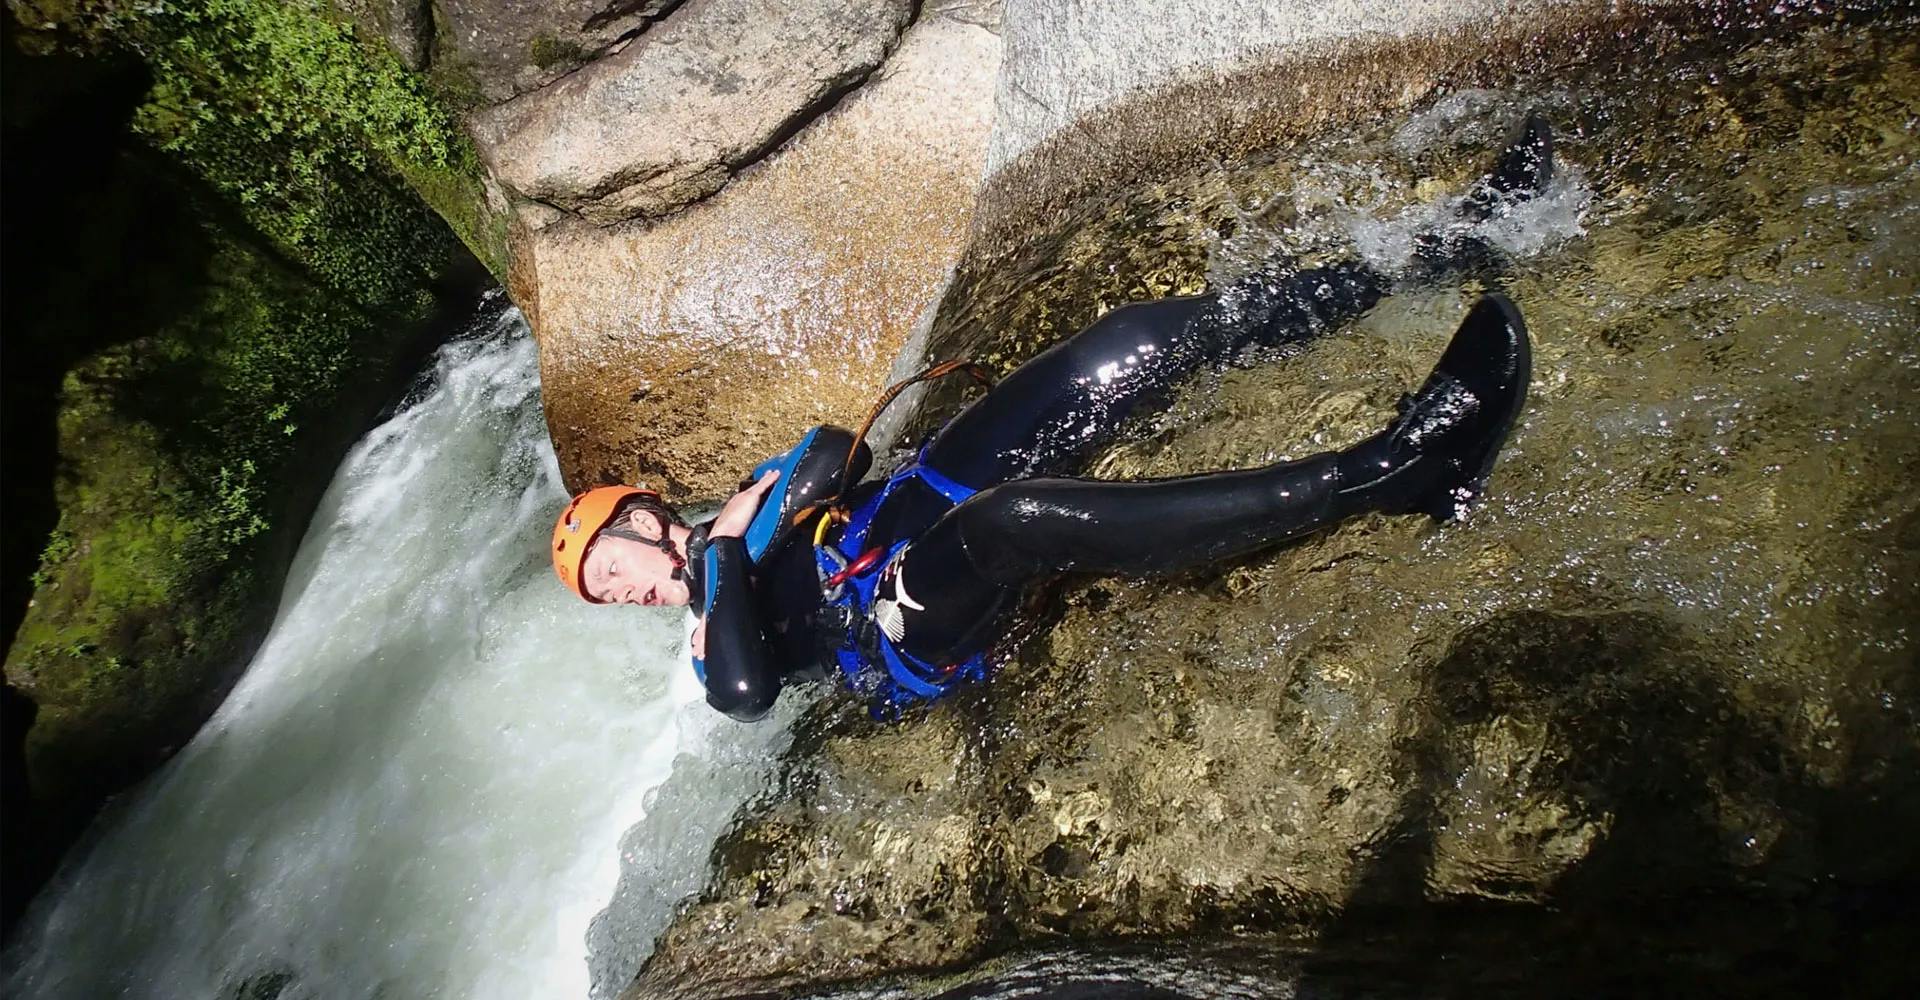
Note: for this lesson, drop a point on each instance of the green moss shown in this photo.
(281, 107)
(60, 546)
(450, 73)
(178, 450)
(458, 195)
(187, 438)
(454, 80)
(548, 52)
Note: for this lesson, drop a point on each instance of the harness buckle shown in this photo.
(833, 582)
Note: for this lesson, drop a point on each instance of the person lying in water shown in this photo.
(900, 584)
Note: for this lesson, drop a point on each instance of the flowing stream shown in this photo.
(417, 787)
(1672, 648)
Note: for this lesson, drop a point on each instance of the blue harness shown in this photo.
(900, 679)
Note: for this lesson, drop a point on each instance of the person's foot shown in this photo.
(1524, 169)
(1522, 172)
(1434, 458)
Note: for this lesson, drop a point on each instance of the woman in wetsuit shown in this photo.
(900, 584)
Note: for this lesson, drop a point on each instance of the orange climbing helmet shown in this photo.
(580, 523)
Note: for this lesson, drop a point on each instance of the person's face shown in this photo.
(623, 571)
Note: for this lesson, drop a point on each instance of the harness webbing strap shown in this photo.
(954, 491)
(850, 571)
(941, 370)
(904, 675)
(851, 576)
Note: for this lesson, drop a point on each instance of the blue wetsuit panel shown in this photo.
(711, 572)
(772, 514)
(811, 472)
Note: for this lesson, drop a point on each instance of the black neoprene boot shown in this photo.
(1434, 458)
(1522, 171)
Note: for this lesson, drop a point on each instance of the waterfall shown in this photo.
(419, 786)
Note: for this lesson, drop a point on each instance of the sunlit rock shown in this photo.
(666, 120)
(676, 352)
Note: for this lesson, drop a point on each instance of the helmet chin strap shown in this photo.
(664, 543)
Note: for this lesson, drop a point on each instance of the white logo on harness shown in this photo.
(886, 611)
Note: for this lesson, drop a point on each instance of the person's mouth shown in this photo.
(652, 597)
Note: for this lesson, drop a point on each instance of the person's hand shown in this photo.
(699, 641)
(738, 511)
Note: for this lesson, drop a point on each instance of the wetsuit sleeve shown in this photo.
(810, 472)
(739, 671)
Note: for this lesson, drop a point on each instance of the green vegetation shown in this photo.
(548, 52)
(184, 456)
(59, 548)
(222, 290)
(275, 101)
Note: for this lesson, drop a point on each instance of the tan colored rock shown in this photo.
(686, 347)
(666, 120)
(508, 47)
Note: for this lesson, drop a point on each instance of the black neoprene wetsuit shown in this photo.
(940, 599)
(964, 565)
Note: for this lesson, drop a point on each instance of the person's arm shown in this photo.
(730, 654)
(813, 472)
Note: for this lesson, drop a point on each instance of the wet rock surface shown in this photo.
(666, 120)
(680, 351)
(1067, 59)
(1665, 669)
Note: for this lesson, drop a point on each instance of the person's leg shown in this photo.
(953, 580)
(1052, 412)
(1056, 409)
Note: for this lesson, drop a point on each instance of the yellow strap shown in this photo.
(820, 530)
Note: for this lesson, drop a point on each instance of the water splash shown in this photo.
(416, 788)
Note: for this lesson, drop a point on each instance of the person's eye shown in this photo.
(613, 569)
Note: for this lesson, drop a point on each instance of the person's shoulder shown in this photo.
(825, 463)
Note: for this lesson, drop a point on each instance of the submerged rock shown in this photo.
(1666, 664)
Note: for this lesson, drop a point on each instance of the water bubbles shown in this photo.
(427, 740)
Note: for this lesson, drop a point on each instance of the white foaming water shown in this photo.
(1349, 200)
(1519, 228)
(417, 788)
